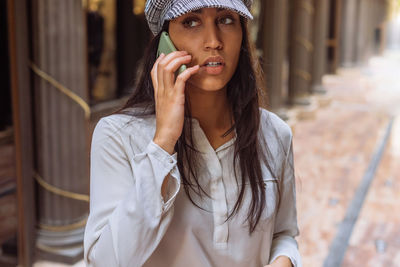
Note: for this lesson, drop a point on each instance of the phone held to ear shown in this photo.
(166, 46)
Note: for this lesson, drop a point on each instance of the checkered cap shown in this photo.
(158, 11)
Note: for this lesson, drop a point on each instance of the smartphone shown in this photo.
(166, 46)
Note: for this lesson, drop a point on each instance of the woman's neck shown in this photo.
(210, 108)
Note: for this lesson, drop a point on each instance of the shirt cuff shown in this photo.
(170, 163)
(285, 246)
(163, 156)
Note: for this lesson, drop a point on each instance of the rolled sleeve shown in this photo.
(128, 215)
(163, 164)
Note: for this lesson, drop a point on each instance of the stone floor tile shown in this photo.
(332, 153)
(376, 235)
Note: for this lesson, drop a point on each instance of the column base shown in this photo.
(301, 101)
(348, 64)
(324, 100)
(318, 89)
(65, 247)
(307, 112)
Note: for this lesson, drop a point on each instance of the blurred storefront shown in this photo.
(70, 62)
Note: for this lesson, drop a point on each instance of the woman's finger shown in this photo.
(154, 74)
(183, 77)
(154, 69)
(161, 69)
(169, 57)
(172, 67)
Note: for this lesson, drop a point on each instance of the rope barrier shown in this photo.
(45, 185)
(55, 250)
(303, 74)
(77, 99)
(308, 7)
(304, 42)
(63, 228)
(60, 192)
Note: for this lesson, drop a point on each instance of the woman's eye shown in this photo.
(189, 23)
(227, 20)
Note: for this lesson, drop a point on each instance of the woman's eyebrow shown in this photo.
(199, 11)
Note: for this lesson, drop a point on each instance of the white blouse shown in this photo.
(130, 224)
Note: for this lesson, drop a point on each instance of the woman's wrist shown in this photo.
(167, 145)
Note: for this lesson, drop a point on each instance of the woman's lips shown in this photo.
(213, 70)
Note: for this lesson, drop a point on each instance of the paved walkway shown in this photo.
(332, 154)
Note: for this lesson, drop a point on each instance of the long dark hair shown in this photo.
(243, 95)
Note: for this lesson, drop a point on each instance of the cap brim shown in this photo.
(183, 7)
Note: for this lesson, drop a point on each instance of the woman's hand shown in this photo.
(169, 96)
(281, 261)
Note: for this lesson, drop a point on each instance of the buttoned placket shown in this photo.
(218, 199)
(217, 186)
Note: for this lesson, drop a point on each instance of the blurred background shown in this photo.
(332, 71)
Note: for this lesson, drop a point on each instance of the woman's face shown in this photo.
(209, 32)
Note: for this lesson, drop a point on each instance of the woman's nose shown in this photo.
(212, 38)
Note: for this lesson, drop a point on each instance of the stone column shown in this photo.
(365, 32)
(381, 14)
(392, 38)
(348, 31)
(300, 51)
(372, 15)
(335, 18)
(59, 49)
(273, 42)
(319, 59)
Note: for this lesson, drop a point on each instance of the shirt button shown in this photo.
(171, 161)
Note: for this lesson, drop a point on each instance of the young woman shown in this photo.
(191, 171)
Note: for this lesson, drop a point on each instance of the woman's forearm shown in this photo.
(281, 261)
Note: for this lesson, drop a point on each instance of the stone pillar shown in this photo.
(273, 42)
(335, 18)
(59, 49)
(365, 32)
(319, 59)
(348, 31)
(381, 18)
(372, 15)
(392, 38)
(300, 51)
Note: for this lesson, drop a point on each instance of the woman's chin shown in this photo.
(207, 84)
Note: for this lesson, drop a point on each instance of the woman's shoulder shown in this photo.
(124, 124)
(272, 126)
